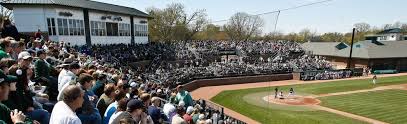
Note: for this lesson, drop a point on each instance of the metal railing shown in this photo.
(222, 116)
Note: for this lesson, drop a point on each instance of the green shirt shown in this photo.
(41, 69)
(3, 54)
(5, 115)
(184, 96)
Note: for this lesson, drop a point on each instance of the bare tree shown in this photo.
(404, 27)
(242, 26)
(307, 35)
(397, 24)
(362, 27)
(387, 26)
(274, 36)
(173, 23)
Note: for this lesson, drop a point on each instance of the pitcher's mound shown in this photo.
(293, 100)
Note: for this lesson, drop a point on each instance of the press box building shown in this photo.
(80, 22)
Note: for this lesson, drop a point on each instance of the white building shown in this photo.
(394, 34)
(80, 22)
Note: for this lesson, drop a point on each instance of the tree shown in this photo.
(274, 36)
(173, 23)
(292, 37)
(211, 32)
(404, 27)
(362, 27)
(306, 35)
(397, 25)
(387, 26)
(242, 26)
(333, 37)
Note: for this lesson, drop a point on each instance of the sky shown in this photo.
(333, 16)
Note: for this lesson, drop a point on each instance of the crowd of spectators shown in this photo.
(326, 75)
(53, 82)
(183, 61)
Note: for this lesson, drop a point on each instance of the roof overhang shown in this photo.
(11, 5)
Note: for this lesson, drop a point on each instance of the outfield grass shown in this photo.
(234, 100)
(346, 85)
(388, 106)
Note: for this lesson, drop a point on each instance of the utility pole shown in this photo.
(351, 49)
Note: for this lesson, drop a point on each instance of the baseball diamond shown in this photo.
(353, 100)
(203, 62)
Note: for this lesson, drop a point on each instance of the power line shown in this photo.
(275, 24)
(286, 9)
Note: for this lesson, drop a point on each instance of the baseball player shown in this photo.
(374, 79)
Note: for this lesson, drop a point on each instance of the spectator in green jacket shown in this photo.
(6, 115)
(42, 67)
(99, 85)
(22, 97)
(5, 47)
(183, 95)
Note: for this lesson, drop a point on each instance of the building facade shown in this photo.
(377, 55)
(80, 22)
(394, 34)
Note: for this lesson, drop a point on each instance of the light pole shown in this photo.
(351, 49)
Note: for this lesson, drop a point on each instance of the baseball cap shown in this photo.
(37, 40)
(24, 55)
(159, 91)
(190, 109)
(181, 103)
(135, 104)
(133, 84)
(7, 78)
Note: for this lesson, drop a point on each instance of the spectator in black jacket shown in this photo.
(9, 29)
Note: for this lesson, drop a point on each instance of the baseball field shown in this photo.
(339, 102)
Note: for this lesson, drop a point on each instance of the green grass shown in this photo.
(346, 85)
(388, 105)
(265, 115)
(234, 100)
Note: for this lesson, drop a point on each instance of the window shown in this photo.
(124, 29)
(62, 26)
(141, 30)
(98, 28)
(71, 27)
(77, 28)
(82, 27)
(111, 29)
(51, 26)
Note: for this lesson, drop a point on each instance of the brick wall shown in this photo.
(235, 80)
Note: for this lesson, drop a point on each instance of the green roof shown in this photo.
(79, 4)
